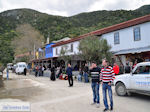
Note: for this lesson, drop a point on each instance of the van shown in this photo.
(20, 67)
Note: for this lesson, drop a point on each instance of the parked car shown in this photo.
(20, 67)
(137, 81)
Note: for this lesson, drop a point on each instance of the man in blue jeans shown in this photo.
(95, 75)
(106, 77)
(86, 70)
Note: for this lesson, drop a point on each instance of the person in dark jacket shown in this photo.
(86, 70)
(127, 68)
(40, 70)
(25, 71)
(52, 77)
(95, 75)
(69, 73)
(36, 70)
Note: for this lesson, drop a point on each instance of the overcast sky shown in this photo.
(71, 7)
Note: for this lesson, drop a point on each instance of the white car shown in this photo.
(137, 81)
(20, 67)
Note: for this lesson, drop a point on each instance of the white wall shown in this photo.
(127, 38)
(75, 49)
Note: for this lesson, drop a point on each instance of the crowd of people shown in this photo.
(102, 75)
(55, 73)
(39, 70)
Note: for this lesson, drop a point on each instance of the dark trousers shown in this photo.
(70, 80)
(53, 76)
(42, 72)
(25, 72)
(36, 72)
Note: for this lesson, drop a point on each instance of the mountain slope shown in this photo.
(58, 27)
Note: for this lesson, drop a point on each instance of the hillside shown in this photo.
(58, 27)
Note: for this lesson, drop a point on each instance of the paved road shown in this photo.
(47, 96)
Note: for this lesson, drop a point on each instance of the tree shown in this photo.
(27, 38)
(94, 49)
(64, 54)
(6, 52)
(23, 59)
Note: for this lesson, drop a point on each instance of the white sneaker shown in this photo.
(93, 103)
(97, 105)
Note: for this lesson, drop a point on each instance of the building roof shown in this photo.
(64, 39)
(112, 28)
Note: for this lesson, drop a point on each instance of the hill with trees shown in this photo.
(57, 27)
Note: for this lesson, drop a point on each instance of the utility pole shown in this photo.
(34, 51)
(48, 39)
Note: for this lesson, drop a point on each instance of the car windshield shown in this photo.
(20, 65)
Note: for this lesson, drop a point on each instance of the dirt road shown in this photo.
(47, 96)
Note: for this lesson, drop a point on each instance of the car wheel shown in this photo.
(120, 89)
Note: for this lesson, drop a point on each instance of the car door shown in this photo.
(146, 85)
(140, 79)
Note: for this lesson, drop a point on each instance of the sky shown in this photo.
(71, 7)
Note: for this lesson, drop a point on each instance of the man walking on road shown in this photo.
(107, 75)
(95, 75)
(69, 73)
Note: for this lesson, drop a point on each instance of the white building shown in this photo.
(129, 40)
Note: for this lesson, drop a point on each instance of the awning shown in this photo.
(44, 59)
(132, 51)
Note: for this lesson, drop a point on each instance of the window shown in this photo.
(116, 38)
(56, 51)
(142, 70)
(71, 47)
(62, 51)
(50, 49)
(137, 35)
